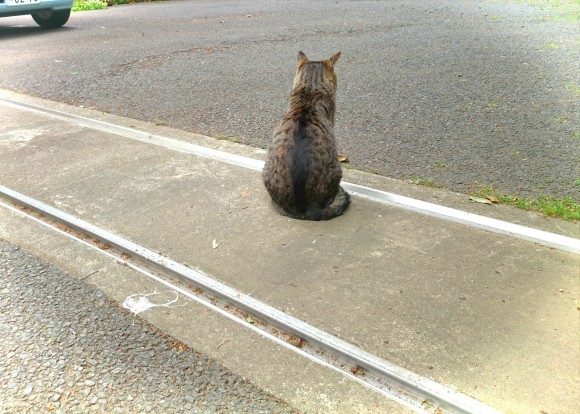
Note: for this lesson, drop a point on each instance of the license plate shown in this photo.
(11, 3)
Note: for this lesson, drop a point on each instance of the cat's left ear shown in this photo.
(334, 58)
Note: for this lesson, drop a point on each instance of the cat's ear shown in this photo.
(333, 59)
(302, 57)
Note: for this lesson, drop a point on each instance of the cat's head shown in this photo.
(316, 75)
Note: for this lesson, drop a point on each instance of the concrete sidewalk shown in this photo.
(489, 315)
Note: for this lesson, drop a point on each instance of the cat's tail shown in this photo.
(336, 208)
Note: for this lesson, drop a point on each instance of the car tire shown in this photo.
(51, 19)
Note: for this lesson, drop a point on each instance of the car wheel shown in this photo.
(51, 19)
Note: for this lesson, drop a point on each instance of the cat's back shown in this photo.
(303, 134)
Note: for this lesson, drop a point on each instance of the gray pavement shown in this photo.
(491, 316)
(67, 348)
(460, 92)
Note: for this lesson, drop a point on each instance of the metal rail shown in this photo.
(398, 382)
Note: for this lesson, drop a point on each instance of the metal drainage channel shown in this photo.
(406, 387)
(545, 238)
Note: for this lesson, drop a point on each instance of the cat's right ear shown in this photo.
(302, 57)
(334, 58)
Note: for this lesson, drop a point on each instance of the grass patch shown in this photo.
(562, 10)
(229, 139)
(566, 208)
(572, 87)
(553, 46)
(86, 5)
(346, 166)
(424, 182)
(111, 2)
(371, 171)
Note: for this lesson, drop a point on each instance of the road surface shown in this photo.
(460, 93)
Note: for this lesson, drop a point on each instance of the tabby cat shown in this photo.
(302, 173)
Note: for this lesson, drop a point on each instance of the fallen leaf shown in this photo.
(342, 158)
(180, 346)
(493, 199)
(215, 244)
(479, 200)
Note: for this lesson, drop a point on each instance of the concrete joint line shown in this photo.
(396, 382)
(553, 240)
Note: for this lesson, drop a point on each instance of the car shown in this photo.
(48, 14)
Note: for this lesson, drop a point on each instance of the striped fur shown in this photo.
(302, 173)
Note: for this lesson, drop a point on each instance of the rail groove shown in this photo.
(412, 390)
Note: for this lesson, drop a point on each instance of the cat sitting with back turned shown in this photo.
(302, 172)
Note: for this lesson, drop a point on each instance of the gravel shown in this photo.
(66, 347)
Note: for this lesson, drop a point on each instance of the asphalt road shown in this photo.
(458, 92)
(66, 348)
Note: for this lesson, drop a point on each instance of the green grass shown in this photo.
(572, 87)
(85, 5)
(566, 208)
(562, 10)
(553, 46)
(371, 171)
(128, 1)
(424, 182)
(229, 139)
(346, 166)
(561, 120)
